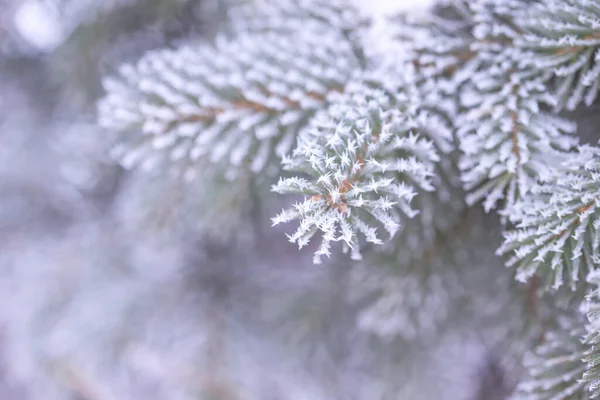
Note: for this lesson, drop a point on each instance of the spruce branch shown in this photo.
(592, 340)
(458, 39)
(440, 209)
(557, 226)
(554, 368)
(498, 102)
(365, 159)
(507, 139)
(563, 36)
(242, 100)
(437, 44)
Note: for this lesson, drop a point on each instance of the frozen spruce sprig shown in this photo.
(592, 355)
(563, 36)
(557, 226)
(554, 369)
(362, 163)
(507, 139)
(240, 102)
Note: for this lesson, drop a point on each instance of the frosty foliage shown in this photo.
(365, 158)
(563, 37)
(132, 285)
(557, 227)
(507, 139)
(437, 43)
(496, 100)
(243, 100)
(554, 367)
(457, 39)
(440, 209)
(592, 340)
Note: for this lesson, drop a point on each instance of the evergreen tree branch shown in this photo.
(557, 230)
(564, 37)
(555, 367)
(244, 99)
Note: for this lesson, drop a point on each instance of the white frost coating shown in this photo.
(507, 141)
(562, 37)
(241, 102)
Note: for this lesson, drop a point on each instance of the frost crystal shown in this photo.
(365, 160)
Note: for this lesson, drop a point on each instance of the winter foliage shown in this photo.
(555, 366)
(556, 231)
(176, 106)
(507, 140)
(562, 37)
(143, 253)
(380, 134)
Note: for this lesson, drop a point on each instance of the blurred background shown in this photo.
(122, 285)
